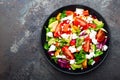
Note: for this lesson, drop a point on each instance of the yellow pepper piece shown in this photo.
(57, 52)
(84, 64)
(58, 16)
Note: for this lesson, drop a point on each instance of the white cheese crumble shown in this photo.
(72, 49)
(68, 18)
(72, 61)
(65, 36)
(52, 48)
(50, 34)
(74, 36)
(90, 55)
(94, 41)
(93, 63)
(79, 11)
(60, 56)
(79, 48)
(105, 47)
(92, 36)
(89, 19)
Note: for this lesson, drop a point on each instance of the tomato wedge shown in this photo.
(86, 46)
(92, 25)
(86, 13)
(57, 30)
(100, 35)
(69, 13)
(79, 21)
(67, 53)
(65, 27)
(72, 42)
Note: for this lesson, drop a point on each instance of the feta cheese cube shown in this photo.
(93, 63)
(50, 34)
(79, 11)
(72, 61)
(105, 47)
(74, 36)
(52, 48)
(68, 18)
(72, 49)
(90, 55)
(89, 19)
(65, 36)
(79, 48)
(61, 56)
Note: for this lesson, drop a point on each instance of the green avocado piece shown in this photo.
(98, 23)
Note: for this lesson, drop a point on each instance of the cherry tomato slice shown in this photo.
(72, 42)
(67, 53)
(92, 25)
(86, 13)
(69, 13)
(79, 21)
(57, 30)
(100, 35)
(86, 46)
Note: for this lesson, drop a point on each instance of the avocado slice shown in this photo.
(52, 26)
(98, 23)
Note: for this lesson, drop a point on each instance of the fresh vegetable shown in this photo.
(90, 62)
(98, 23)
(86, 13)
(63, 63)
(58, 16)
(75, 39)
(52, 20)
(80, 57)
(79, 22)
(84, 64)
(53, 26)
(72, 42)
(68, 13)
(67, 52)
(63, 14)
(76, 66)
(98, 53)
(100, 35)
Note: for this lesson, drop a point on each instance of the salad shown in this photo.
(75, 39)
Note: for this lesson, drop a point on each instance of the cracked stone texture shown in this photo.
(20, 26)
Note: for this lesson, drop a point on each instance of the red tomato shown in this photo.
(100, 35)
(85, 27)
(75, 14)
(57, 30)
(87, 39)
(86, 46)
(92, 25)
(79, 21)
(67, 53)
(86, 13)
(69, 13)
(72, 42)
(65, 27)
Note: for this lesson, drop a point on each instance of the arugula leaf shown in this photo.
(54, 58)
(80, 57)
(46, 46)
(63, 14)
(79, 42)
(98, 53)
(90, 61)
(52, 20)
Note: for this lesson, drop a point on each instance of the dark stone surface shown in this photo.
(20, 26)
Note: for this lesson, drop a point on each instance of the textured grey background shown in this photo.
(20, 26)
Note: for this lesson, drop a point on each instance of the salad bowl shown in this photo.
(75, 39)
